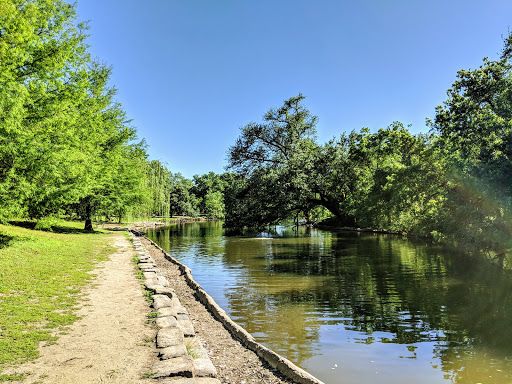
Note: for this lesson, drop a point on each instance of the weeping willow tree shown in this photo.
(159, 182)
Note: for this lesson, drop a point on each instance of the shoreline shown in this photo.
(277, 362)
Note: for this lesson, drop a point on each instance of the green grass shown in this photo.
(41, 274)
(13, 377)
(147, 375)
(190, 346)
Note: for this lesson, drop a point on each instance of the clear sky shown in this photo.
(190, 73)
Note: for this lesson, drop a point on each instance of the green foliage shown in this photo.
(475, 129)
(275, 159)
(214, 204)
(208, 190)
(376, 180)
(159, 183)
(400, 181)
(453, 187)
(182, 202)
(12, 377)
(64, 140)
(43, 76)
(45, 223)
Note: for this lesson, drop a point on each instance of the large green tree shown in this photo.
(475, 129)
(208, 189)
(64, 139)
(43, 79)
(397, 180)
(275, 158)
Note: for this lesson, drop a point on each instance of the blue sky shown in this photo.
(190, 73)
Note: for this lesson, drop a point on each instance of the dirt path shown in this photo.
(110, 343)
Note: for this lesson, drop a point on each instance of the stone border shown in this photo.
(286, 367)
(175, 333)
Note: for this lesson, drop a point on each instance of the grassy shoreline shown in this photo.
(41, 276)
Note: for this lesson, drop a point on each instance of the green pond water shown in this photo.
(357, 308)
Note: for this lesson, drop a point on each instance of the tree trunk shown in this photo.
(334, 207)
(88, 220)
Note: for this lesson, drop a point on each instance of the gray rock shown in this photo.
(153, 285)
(162, 301)
(168, 311)
(175, 301)
(181, 310)
(202, 362)
(168, 321)
(204, 367)
(187, 328)
(207, 380)
(163, 280)
(168, 337)
(172, 352)
(149, 275)
(178, 366)
(169, 292)
(146, 266)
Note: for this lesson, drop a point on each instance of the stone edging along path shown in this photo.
(286, 367)
(175, 339)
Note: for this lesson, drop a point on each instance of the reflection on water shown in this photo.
(357, 308)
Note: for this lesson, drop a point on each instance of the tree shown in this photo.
(214, 205)
(43, 73)
(209, 184)
(475, 128)
(181, 201)
(159, 182)
(64, 140)
(284, 132)
(400, 185)
(275, 157)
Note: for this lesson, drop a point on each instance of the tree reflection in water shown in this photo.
(288, 290)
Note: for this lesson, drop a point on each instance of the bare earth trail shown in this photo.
(109, 343)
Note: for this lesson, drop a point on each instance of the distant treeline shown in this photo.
(67, 148)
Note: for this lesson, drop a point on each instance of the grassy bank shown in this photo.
(41, 274)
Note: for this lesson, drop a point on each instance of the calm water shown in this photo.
(355, 308)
